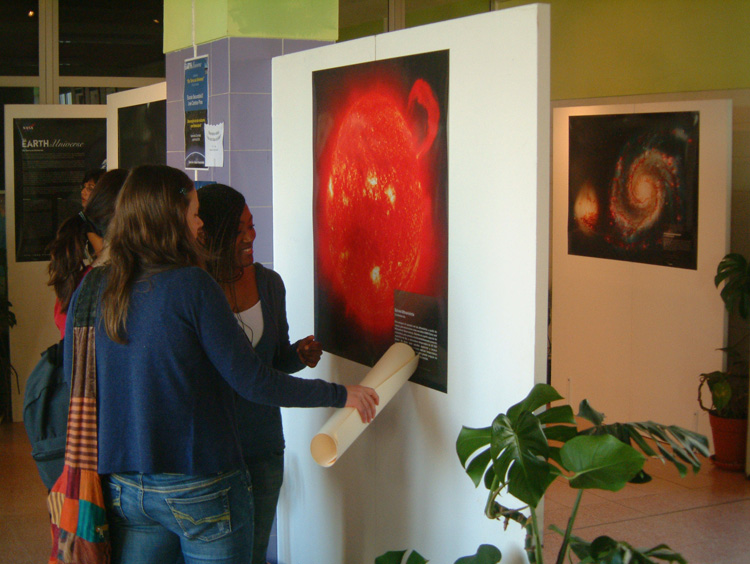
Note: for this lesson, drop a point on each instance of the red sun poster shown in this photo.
(380, 216)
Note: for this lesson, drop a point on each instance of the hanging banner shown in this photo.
(196, 111)
(51, 157)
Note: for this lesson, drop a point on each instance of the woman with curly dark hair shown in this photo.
(257, 297)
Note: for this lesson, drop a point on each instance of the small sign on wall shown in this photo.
(196, 111)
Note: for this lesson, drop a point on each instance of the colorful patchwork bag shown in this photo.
(80, 533)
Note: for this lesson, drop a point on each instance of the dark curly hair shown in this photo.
(220, 209)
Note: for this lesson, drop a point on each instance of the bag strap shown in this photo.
(81, 448)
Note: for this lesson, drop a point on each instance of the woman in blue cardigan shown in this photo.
(170, 358)
(258, 300)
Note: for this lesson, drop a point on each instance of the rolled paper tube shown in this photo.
(387, 377)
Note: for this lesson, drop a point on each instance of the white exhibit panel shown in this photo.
(631, 337)
(33, 301)
(400, 483)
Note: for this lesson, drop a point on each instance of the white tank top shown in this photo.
(251, 321)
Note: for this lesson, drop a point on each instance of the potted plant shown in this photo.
(729, 389)
(524, 452)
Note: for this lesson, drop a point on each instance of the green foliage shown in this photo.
(606, 550)
(734, 272)
(728, 394)
(729, 390)
(523, 452)
(396, 556)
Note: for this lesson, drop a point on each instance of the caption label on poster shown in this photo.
(418, 322)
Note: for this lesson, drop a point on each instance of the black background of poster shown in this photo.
(48, 176)
(142, 134)
(596, 144)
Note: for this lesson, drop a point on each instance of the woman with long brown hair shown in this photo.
(169, 358)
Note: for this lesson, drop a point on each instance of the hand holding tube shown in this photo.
(364, 399)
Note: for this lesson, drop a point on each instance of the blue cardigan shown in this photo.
(260, 427)
(166, 398)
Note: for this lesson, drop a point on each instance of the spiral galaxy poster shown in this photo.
(633, 187)
(380, 210)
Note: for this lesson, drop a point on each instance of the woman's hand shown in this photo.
(364, 399)
(309, 351)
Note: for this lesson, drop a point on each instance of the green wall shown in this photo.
(627, 47)
(599, 47)
(215, 19)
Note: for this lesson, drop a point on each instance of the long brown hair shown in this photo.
(148, 233)
(69, 250)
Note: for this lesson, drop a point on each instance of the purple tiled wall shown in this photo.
(239, 95)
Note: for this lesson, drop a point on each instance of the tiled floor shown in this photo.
(24, 524)
(705, 517)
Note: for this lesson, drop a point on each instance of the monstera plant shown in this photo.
(525, 450)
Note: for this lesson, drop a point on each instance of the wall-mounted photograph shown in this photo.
(380, 215)
(633, 187)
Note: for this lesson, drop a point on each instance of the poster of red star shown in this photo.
(380, 216)
(633, 187)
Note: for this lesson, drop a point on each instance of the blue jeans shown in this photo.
(157, 517)
(267, 474)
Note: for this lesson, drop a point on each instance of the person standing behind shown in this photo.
(79, 240)
(258, 299)
(169, 359)
(88, 183)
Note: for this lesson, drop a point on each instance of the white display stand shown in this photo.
(401, 484)
(633, 338)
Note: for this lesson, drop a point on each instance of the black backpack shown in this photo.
(45, 413)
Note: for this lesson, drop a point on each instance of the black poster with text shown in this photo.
(51, 156)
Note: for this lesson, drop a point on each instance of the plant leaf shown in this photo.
(416, 558)
(721, 393)
(486, 554)
(470, 440)
(530, 478)
(540, 394)
(560, 433)
(557, 414)
(396, 556)
(600, 462)
(478, 465)
(606, 550)
(590, 414)
(521, 445)
(734, 271)
(682, 443)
